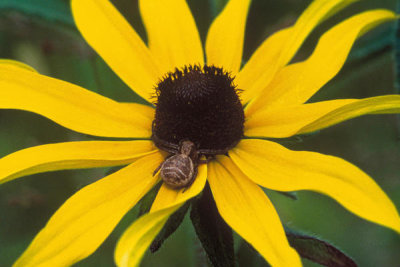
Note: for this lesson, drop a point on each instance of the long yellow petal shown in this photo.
(224, 44)
(71, 155)
(144, 110)
(137, 238)
(72, 106)
(107, 32)
(277, 50)
(296, 83)
(167, 197)
(245, 207)
(9, 63)
(85, 220)
(273, 166)
(374, 105)
(173, 36)
(286, 121)
(141, 233)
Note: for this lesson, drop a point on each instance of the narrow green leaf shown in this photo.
(146, 202)
(214, 234)
(318, 251)
(170, 227)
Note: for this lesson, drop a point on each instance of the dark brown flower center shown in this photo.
(199, 104)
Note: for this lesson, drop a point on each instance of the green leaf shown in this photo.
(51, 10)
(214, 234)
(170, 227)
(291, 195)
(146, 202)
(216, 6)
(318, 251)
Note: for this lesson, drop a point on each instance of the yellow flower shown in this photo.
(274, 96)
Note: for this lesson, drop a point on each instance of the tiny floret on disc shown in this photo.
(200, 104)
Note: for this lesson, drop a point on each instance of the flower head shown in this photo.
(226, 110)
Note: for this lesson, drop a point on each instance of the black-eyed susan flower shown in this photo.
(196, 99)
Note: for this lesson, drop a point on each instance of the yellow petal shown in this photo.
(296, 83)
(172, 33)
(273, 166)
(85, 220)
(317, 12)
(374, 105)
(9, 63)
(277, 50)
(245, 207)
(285, 121)
(144, 110)
(107, 32)
(138, 237)
(168, 197)
(224, 44)
(71, 106)
(71, 155)
(141, 233)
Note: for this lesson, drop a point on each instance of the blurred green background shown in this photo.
(42, 34)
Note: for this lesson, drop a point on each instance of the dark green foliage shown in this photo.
(214, 234)
(146, 202)
(170, 227)
(318, 251)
